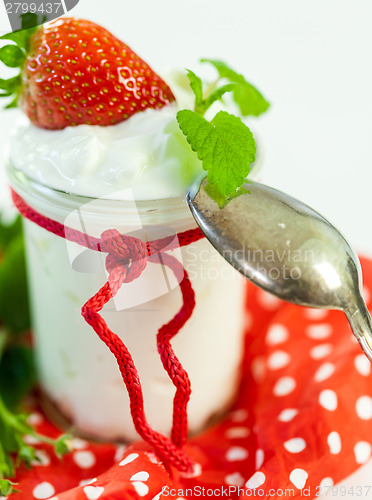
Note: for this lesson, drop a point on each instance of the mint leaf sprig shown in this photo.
(225, 145)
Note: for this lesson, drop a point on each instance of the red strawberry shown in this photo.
(75, 72)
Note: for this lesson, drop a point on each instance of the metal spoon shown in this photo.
(288, 249)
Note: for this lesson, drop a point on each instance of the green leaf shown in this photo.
(30, 23)
(30, 20)
(217, 95)
(214, 193)
(21, 37)
(11, 84)
(6, 487)
(64, 445)
(27, 455)
(225, 146)
(9, 232)
(14, 309)
(17, 374)
(250, 101)
(12, 56)
(196, 86)
(248, 98)
(13, 103)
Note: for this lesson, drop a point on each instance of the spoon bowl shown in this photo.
(289, 250)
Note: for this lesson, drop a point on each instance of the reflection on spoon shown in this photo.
(288, 249)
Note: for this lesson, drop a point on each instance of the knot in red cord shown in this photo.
(124, 252)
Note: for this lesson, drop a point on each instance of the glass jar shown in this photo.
(76, 370)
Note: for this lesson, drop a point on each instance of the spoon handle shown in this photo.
(361, 324)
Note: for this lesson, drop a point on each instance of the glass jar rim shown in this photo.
(43, 198)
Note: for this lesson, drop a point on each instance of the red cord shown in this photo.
(126, 259)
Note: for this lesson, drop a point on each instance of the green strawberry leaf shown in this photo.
(13, 103)
(12, 56)
(225, 146)
(248, 98)
(30, 20)
(11, 84)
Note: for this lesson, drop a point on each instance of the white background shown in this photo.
(312, 60)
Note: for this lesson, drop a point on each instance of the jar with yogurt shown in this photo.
(131, 177)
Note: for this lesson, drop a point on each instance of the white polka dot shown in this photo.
(239, 415)
(196, 471)
(362, 451)
(321, 331)
(42, 459)
(328, 399)
(260, 457)
(237, 432)
(140, 476)
(119, 453)
(295, 445)
(152, 457)
(79, 444)
(321, 351)
(364, 407)
(287, 415)
(84, 482)
(235, 479)
(258, 368)
(363, 365)
(127, 460)
(267, 300)
(84, 459)
(31, 441)
(326, 482)
(366, 294)
(277, 334)
(325, 371)
(278, 359)
(298, 477)
(236, 454)
(93, 492)
(284, 386)
(334, 443)
(43, 490)
(315, 313)
(256, 481)
(141, 488)
(34, 419)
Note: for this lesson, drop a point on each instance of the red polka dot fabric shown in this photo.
(302, 419)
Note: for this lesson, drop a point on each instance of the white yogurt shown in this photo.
(146, 153)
